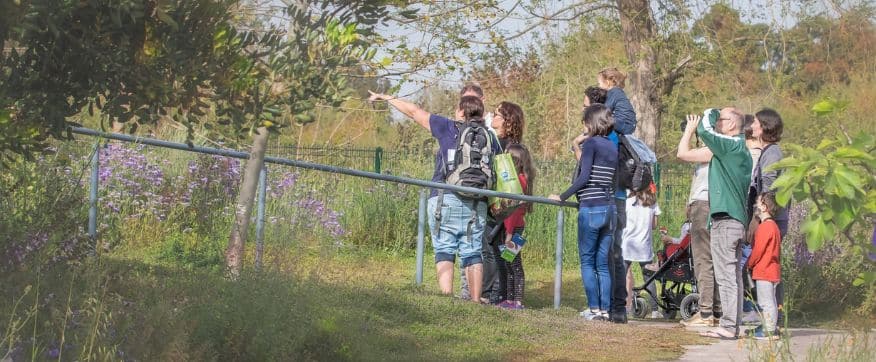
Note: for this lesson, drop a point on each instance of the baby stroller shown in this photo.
(678, 286)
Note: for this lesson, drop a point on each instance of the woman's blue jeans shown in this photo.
(595, 229)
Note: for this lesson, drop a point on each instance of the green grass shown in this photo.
(317, 305)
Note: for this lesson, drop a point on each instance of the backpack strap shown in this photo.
(438, 204)
(474, 219)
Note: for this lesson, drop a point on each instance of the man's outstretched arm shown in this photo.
(409, 109)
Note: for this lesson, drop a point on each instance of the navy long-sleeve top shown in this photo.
(594, 185)
(622, 111)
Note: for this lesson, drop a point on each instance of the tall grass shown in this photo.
(174, 208)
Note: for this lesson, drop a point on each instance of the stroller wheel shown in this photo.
(690, 305)
(641, 308)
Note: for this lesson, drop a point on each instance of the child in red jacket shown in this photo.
(765, 264)
(514, 224)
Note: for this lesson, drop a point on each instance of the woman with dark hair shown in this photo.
(515, 277)
(592, 95)
(768, 127)
(594, 188)
(508, 121)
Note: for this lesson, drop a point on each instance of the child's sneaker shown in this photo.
(761, 335)
(591, 315)
(656, 315)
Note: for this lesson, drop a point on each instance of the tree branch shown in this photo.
(546, 19)
(404, 21)
(667, 82)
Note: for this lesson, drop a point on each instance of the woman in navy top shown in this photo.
(594, 188)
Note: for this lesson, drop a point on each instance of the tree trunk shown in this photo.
(245, 199)
(638, 29)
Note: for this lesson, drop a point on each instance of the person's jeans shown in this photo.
(748, 295)
(726, 237)
(595, 228)
(766, 299)
(616, 265)
(700, 245)
(494, 268)
(457, 231)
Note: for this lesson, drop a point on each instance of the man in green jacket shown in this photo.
(729, 177)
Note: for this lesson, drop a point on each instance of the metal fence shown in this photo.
(672, 178)
(361, 163)
(262, 192)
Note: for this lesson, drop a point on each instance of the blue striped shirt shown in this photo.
(594, 186)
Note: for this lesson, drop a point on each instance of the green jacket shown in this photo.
(729, 170)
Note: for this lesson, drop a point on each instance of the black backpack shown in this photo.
(472, 165)
(633, 173)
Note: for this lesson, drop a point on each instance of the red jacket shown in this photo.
(765, 263)
(515, 220)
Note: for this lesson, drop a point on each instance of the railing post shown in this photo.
(92, 197)
(378, 156)
(421, 226)
(260, 217)
(558, 273)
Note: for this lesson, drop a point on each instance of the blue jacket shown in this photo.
(622, 111)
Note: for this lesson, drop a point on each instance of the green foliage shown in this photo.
(194, 250)
(810, 275)
(38, 199)
(834, 178)
(372, 207)
(131, 59)
(137, 62)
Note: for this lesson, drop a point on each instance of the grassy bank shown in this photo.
(319, 306)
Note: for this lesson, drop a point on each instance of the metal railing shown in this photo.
(260, 209)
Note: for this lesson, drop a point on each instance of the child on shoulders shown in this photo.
(612, 80)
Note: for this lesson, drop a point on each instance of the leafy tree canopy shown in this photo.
(137, 61)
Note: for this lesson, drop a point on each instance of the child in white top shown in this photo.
(642, 211)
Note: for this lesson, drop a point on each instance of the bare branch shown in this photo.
(404, 21)
(668, 81)
(548, 18)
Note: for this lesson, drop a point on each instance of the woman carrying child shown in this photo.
(765, 264)
(594, 188)
(642, 211)
(612, 80)
(514, 224)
